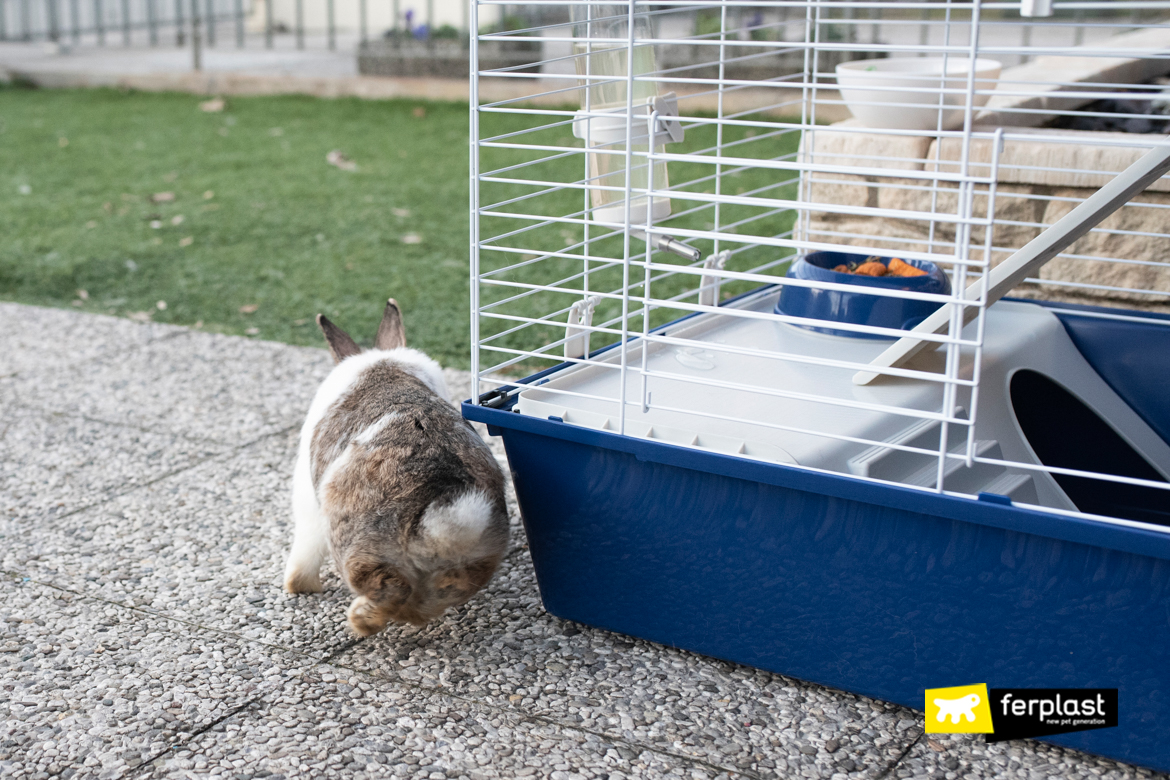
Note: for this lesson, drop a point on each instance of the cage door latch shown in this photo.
(576, 333)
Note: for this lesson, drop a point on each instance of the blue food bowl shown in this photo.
(859, 308)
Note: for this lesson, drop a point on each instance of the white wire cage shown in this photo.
(645, 189)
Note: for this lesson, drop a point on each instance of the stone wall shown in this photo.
(1039, 181)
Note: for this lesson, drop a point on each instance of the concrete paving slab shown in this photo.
(206, 546)
(951, 756)
(38, 339)
(180, 576)
(92, 689)
(225, 389)
(333, 723)
(505, 651)
(54, 464)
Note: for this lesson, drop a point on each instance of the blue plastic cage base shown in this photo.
(871, 588)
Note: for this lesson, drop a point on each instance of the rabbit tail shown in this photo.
(453, 554)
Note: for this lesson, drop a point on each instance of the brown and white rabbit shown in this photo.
(394, 483)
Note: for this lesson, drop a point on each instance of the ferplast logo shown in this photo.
(1044, 712)
(959, 710)
(1015, 713)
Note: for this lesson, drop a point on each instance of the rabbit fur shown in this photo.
(395, 484)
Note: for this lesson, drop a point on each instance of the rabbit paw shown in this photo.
(302, 581)
(364, 617)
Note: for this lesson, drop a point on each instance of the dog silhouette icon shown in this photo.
(956, 708)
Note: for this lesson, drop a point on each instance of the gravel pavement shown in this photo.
(144, 479)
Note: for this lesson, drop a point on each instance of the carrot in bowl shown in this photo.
(899, 267)
(871, 269)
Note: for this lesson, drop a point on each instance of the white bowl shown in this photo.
(903, 92)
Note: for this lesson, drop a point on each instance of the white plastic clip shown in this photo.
(1036, 8)
(580, 317)
(709, 285)
(666, 106)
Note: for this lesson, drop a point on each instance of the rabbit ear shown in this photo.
(340, 344)
(391, 332)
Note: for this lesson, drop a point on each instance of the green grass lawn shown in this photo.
(261, 233)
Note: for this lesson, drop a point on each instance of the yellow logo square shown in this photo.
(960, 710)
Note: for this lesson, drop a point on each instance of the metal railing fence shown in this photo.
(164, 22)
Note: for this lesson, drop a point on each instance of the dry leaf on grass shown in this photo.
(162, 197)
(140, 316)
(419, 112)
(177, 219)
(62, 142)
(252, 331)
(412, 238)
(156, 223)
(187, 241)
(161, 306)
(249, 308)
(339, 160)
(213, 106)
(401, 213)
(91, 224)
(209, 195)
(83, 295)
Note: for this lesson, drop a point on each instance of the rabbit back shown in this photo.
(413, 496)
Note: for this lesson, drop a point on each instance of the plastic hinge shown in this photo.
(554, 418)
(995, 498)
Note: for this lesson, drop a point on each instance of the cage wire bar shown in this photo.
(732, 114)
